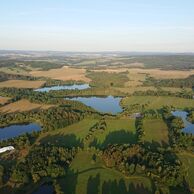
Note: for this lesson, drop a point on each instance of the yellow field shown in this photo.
(176, 89)
(21, 84)
(65, 73)
(3, 100)
(22, 105)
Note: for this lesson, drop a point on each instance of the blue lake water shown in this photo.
(64, 87)
(107, 104)
(16, 130)
(189, 127)
(45, 189)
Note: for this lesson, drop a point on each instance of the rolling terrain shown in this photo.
(142, 149)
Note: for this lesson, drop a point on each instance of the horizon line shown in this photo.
(103, 51)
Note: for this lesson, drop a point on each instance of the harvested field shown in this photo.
(22, 105)
(111, 70)
(65, 73)
(3, 100)
(21, 84)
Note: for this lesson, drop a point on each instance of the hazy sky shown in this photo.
(97, 25)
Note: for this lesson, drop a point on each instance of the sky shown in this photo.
(97, 25)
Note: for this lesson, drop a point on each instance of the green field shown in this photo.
(156, 131)
(86, 176)
(118, 131)
(156, 102)
(69, 136)
(188, 161)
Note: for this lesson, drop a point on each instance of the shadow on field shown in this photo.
(116, 137)
(69, 183)
(114, 187)
(93, 185)
(154, 145)
(63, 140)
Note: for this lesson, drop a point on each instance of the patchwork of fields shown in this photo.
(79, 136)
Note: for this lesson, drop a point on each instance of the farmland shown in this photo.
(139, 149)
(65, 73)
(22, 106)
(3, 100)
(155, 102)
(21, 84)
(118, 131)
(188, 158)
(156, 131)
(86, 176)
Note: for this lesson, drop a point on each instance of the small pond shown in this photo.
(107, 104)
(16, 130)
(189, 127)
(44, 189)
(64, 87)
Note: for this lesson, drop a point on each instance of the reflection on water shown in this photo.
(64, 87)
(189, 127)
(16, 130)
(45, 189)
(107, 104)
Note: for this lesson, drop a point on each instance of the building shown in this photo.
(8, 148)
(136, 115)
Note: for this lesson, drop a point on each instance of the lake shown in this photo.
(64, 87)
(107, 104)
(16, 130)
(44, 189)
(189, 127)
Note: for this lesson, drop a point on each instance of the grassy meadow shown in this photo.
(157, 102)
(156, 132)
(118, 131)
(187, 159)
